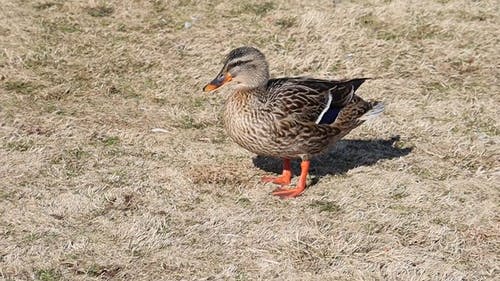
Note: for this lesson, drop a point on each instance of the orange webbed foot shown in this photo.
(286, 176)
(301, 185)
(282, 180)
(288, 192)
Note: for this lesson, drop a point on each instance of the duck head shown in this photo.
(245, 66)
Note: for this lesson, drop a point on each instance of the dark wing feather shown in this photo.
(305, 99)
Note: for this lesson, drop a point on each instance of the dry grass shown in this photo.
(90, 192)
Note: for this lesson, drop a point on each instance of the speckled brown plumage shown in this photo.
(287, 117)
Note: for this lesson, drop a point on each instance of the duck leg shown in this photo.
(301, 185)
(286, 176)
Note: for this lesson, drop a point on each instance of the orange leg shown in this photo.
(301, 185)
(286, 176)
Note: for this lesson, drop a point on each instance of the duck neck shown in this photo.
(242, 98)
(256, 91)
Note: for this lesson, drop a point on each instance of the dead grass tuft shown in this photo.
(220, 174)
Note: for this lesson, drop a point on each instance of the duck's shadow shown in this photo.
(346, 155)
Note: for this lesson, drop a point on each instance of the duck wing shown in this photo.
(310, 100)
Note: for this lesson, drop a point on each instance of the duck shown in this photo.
(288, 117)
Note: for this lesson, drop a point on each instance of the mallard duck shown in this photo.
(292, 117)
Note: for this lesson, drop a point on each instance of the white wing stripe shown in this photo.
(325, 110)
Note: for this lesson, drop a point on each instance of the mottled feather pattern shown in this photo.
(280, 120)
(287, 117)
(306, 98)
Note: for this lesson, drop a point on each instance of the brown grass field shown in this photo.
(115, 165)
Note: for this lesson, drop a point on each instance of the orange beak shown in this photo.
(217, 82)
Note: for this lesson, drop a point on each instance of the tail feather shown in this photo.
(356, 82)
(377, 109)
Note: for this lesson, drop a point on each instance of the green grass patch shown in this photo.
(100, 11)
(73, 161)
(20, 145)
(286, 22)
(403, 144)
(21, 87)
(243, 201)
(71, 155)
(198, 102)
(78, 154)
(326, 206)
(258, 9)
(46, 5)
(94, 270)
(47, 275)
(31, 237)
(112, 140)
(105, 272)
(187, 122)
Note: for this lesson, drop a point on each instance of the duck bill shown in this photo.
(217, 82)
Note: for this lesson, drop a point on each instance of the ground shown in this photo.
(115, 165)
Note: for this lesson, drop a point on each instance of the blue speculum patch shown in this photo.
(330, 115)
